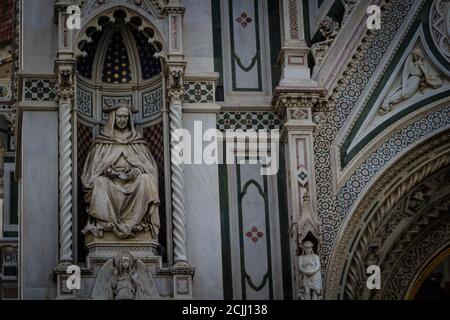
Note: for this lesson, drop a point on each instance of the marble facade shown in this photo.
(356, 182)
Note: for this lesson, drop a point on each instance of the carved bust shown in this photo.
(120, 180)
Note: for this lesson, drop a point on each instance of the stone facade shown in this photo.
(358, 119)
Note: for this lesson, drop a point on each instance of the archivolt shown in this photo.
(354, 247)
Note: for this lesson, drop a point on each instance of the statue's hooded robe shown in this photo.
(123, 204)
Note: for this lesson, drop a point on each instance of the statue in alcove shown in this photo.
(310, 275)
(120, 179)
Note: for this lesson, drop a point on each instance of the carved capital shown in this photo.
(176, 89)
(176, 96)
(65, 89)
(299, 104)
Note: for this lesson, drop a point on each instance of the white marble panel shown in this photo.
(204, 247)
(256, 261)
(197, 36)
(39, 199)
(39, 36)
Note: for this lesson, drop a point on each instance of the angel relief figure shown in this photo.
(416, 75)
(122, 278)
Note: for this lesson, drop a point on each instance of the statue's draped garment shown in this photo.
(122, 203)
(311, 264)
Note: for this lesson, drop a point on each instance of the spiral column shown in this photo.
(65, 95)
(177, 183)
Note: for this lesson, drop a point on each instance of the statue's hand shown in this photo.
(133, 173)
(110, 172)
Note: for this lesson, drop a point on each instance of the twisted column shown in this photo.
(65, 183)
(177, 167)
(65, 95)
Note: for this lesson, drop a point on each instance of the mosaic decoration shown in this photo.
(198, 92)
(39, 90)
(152, 103)
(248, 120)
(84, 102)
(116, 67)
(150, 66)
(333, 211)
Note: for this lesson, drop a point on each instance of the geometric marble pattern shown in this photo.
(6, 107)
(39, 90)
(84, 140)
(248, 120)
(352, 84)
(198, 92)
(302, 176)
(155, 138)
(384, 153)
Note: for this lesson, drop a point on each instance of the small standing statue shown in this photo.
(416, 76)
(310, 274)
(120, 178)
(124, 279)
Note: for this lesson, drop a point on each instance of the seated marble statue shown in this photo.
(120, 179)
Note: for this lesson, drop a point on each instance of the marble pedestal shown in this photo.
(172, 282)
(141, 247)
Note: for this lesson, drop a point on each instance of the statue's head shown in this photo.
(122, 117)
(417, 55)
(308, 247)
(125, 263)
